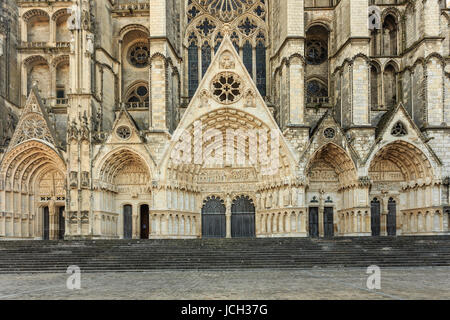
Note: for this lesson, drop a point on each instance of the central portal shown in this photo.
(213, 218)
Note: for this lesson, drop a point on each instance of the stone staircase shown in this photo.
(222, 254)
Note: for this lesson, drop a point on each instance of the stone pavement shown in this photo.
(348, 283)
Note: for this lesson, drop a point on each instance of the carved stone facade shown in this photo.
(167, 119)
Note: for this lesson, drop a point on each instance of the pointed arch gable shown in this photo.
(249, 107)
(318, 141)
(413, 137)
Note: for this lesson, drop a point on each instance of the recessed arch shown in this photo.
(338, 159)
(410, 160)
(132, 27)
(122, 162)
(227, 123)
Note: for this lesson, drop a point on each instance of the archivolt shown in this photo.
(118, 161)
(224, 120)
(341, 162)
(25, 162)
(411, 161)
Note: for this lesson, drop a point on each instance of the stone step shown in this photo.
(222, 254)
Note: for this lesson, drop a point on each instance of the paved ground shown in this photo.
(396, 283)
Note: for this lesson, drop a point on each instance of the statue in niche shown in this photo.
(90, 44)
(250, 99)
(204, 98)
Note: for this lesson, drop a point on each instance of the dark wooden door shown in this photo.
(328, 222)
(145, 231)
(375, 221)
(213, 218)
(243, 218)
(61, 223)
(46, 224)
(314, 222)
(127, 222)
(392, 218)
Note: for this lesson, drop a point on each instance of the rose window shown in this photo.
(139, 55)
(227, 87)
(316, 52)
(329, 133)
(123, 132)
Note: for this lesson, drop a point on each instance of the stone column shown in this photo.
(135, 223)
(321, 213)
(228, 216)
(66, 224)
(52, 38)
(383, 214)
(52, 220)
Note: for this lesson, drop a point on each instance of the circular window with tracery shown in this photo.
(123, 132)
(316, 52)
(139, 55)
(399, 130)
(227, 87)
(329, 133)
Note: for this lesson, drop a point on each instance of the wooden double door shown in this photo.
(128, 221)
(391, 219)
(61, 223)
(242, 218)
(328, 222)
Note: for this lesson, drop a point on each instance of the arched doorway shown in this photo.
(332, 175)
(392, 218)
(145, 231)
(396, 171)
(126, 175)
(243, 218)
(213, 218)
(127, 222)
(46, 223)
(375, 221)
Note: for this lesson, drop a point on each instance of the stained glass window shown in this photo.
(315, 88)
(218, 41)
(193, 68)
(248, 57)
(316, 52)
(261, 68)
(206, 57)
(206, 20)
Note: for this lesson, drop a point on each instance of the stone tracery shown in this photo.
(246, 24)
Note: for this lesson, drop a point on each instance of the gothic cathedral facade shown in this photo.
(183, 119)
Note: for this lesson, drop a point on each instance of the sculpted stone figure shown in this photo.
(204, 97)
(227, 61)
